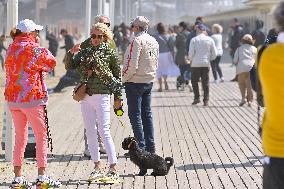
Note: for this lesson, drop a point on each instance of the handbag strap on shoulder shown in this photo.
(89, 74)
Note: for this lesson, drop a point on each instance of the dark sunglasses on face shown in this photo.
(108, 24)
(36, 33)
(94, 36)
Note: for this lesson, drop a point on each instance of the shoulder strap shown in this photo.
(89, 73)
(258, 88)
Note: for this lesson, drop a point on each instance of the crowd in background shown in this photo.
(184, 51)
(175, 39)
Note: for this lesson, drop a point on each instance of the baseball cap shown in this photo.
(140, 21)
(202, 27)
(27, 26)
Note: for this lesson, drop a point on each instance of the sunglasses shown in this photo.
(94, 36)
(108, 24)
(36, 33)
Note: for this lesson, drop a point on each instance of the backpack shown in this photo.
(255, 83)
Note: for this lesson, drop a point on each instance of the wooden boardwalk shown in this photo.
(213, 147)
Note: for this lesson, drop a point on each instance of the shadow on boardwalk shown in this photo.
(190, 167)
(213, 147)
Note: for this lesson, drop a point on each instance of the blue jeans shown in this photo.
(139, 112)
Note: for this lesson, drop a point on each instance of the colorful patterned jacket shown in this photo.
(25, 62)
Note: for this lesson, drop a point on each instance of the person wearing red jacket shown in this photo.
(26, 96)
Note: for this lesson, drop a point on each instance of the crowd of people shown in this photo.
(185, 52)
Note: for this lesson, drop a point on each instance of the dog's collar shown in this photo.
(130, 144)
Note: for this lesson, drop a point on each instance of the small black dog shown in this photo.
(145, 160)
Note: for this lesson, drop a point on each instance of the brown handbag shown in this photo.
(79, 91)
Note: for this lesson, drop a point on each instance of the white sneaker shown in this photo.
(96, 174)
(44, 182)
(112, 175)
(20, 182)
(222, 79)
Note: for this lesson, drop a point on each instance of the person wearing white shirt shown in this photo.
(217, 37)
(138, 73)
(201, 51)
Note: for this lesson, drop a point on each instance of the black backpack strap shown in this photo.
(49, 139)
(259, 89)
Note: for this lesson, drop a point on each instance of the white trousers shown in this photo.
(92, 107)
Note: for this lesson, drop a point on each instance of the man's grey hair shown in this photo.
(99, 17)
(142, 22)
(279, 16)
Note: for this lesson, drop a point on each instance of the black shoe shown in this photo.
(196, 102)
(205, 103)
(87, 154)
(242, 103)
(234, 80)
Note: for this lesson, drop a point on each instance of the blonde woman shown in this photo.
(217, 30)
(244, 59)
(100, 64)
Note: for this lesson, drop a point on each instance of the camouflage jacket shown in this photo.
(106, 76)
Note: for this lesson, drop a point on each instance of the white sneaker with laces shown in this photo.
(112, 175)
(44, 182)
(20, 182)
(96, 174)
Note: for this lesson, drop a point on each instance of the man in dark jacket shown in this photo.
(180, 44)
(52, 45)
(52, 42)
(235, 41)
(68, 40)
(2, 47)
(236, 37)
(258, 35)
(71, 77)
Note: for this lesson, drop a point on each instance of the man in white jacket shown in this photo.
(139, 70)
(201, 51)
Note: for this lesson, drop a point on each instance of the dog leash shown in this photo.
(119, 113)
(121, 123)
(49, 139)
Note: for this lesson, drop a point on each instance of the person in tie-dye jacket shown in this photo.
(26, 96)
